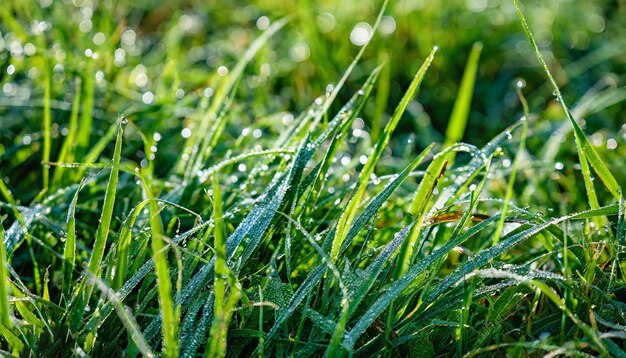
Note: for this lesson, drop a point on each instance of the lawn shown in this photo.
(312, 178)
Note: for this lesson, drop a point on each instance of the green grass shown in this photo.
(240, 179)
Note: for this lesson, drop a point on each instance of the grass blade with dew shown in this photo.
(403, 282)
(200, 137)
(5, 319)
(461, 109)
(170, 314)
(419, 206)
(349, 213)
(219, 327)
(102, 232)
(125, 315)
(586, 152)
(123, 245)
(67, 149)
(509, 188)
(69, 249)
(508, 242)
(316, 274)
(47, 135)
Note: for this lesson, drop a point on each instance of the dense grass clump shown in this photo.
(175, 181)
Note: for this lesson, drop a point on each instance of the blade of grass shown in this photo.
(401, 284)
(221, 95)
(461, 109)
(5, 319)
(102, 232)
(170, 314)
(509, 189)
(47, 136)
(125, 315)
(67, 150)
(69, 250)
(86, 118)
(586, 152)
(219, 327)
(418, 207)
(123, 245)
(349, 213)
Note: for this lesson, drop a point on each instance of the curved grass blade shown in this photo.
(200, 139)
(125, 315)
(69, 250)
(586, 152)
(102, 232)
(349, 213)
(375, 204)
(5, 319)
(511, 240)
(399, 286)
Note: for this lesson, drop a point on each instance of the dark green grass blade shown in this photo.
(401, 284)
(125, 315)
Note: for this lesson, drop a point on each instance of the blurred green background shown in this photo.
(157, 61)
